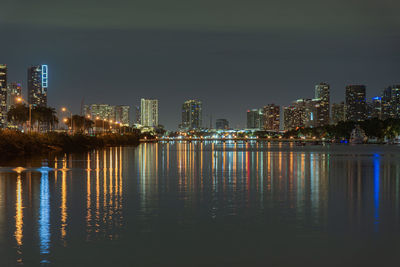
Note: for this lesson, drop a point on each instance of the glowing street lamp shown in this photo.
(21, 100)
(64, 109)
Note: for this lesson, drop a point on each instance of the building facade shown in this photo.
(100, 111)
(3, 95)
(222, 124)
(14, 90)
(391, 102)
(122, 115)
(375, 108)
(255, 119)
(322, 93)
(137, 114)
(149, 112)
(37, 85)
(356, 108)
(338, 112)
(272, 117)
(191, 115)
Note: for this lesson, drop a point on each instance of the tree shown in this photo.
(44, 117)
(79, 123)
(18, 114)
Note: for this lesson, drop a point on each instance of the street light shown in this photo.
(21, 100)
(64, 109)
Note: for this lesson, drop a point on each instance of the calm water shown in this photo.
(210, 204)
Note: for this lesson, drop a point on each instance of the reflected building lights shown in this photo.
(376, 189)
(64, 211)
(19, 216)
(44, 217)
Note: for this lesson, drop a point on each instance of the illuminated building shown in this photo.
(338, 112)
(293, 115)
(100, 111)
(3, 95)
(255, 119)
(222, 124)
(356, 107)
(322, 93)
(191, 114)
(149, 112)
(137, 114)
(271, 117)
(313, 110)
(391, 102)
(14, 90)
(37, 85)
(375, 108)
(122, 115)
(302, 113)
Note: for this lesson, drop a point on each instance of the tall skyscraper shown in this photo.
(338, 112)
(255, 119)
(14, 90)
(3, 95)
(122, 115)
(375, 108)
(222, 124)
(271, 117)
(37, 85)
(191, 115)
(312, 110)
(294, 116)
(322, 93)
(149, 112)
(391, 102)
(137, 114)
(356, 107)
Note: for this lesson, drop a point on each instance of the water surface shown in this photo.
(204, 204)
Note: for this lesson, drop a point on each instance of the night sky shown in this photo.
(233, 55)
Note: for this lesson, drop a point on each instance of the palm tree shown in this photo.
(44, 117)
(79, 123)
(18, 114)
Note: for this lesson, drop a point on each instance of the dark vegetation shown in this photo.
(15, 143)
(374, 128)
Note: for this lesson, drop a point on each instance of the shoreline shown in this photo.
(17, 144)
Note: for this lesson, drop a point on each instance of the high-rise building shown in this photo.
(3, 95)
(255, 119)
(122, 114)
(322, 93)
(137, 114)
(191, 114)
(294, 115)
(356, 107)
(391, 102)
(100, 111)
(271, 117)
(338, 112)
(222, 124)
(14, 90)
(37, 85)
(375, 108)
(312, 113)
(149, 112)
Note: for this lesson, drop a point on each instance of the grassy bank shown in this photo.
(13, 143)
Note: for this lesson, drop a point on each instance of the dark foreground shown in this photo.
(15, 143)
(205, 204)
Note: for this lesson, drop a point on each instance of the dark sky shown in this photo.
(233, 55)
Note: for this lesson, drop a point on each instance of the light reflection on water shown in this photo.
(126, 195)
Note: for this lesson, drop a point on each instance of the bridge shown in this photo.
(239, 139)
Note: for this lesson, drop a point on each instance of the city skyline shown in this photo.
(243, 56)
(319, 106)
